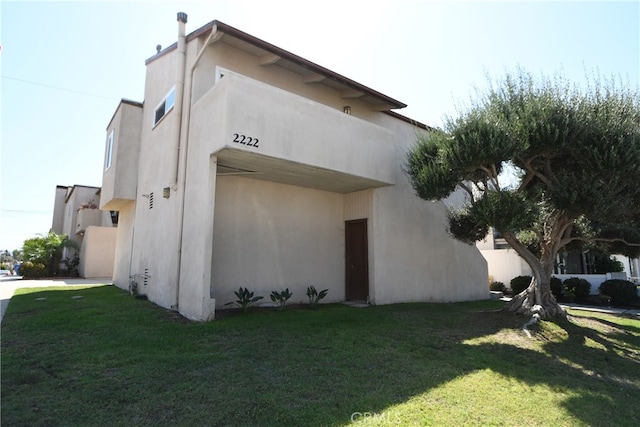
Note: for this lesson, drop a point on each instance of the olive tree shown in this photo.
(546, 164)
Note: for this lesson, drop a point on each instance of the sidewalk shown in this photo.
(8, 286)
(631, 312)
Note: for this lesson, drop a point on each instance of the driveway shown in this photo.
(8, 286)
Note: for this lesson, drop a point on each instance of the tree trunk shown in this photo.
(536, 299)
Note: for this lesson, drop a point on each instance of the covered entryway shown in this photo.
(356, 260)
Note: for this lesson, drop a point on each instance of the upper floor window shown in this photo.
(109, 155)
(165, 106)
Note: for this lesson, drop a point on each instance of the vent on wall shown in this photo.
(146, 277)
(151, 200)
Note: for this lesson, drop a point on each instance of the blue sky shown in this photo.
(66, 65)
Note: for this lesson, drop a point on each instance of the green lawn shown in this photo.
(109, 359)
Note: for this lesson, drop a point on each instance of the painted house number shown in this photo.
(245, 140)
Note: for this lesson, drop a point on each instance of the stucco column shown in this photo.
(196, 302)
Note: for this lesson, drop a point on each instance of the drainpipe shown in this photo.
(183, 141)
(179, 93)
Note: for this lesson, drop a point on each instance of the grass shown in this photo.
(109, 359)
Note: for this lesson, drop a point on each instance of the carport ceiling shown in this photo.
(257, 166)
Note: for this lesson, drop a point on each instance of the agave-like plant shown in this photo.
(315, 296)
(245, 299)
(281, 298)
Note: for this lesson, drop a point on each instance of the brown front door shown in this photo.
(356, 260)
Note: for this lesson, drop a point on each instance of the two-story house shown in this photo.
(76, 214)
(249, 166)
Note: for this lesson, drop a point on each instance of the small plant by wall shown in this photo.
(245, 299)
(315, 296)
(281, 298)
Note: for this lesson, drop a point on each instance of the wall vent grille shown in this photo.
(151, 200)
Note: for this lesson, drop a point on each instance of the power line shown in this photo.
(59, 88)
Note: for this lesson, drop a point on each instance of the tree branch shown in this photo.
(603, 239)
(468, 190)
(522, 250)
(531, 173)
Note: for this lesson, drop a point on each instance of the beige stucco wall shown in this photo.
(221, 55)
(291, 128)
(97, 252)
(57, 223)
(270, 236)
(122, 257)
(79, 195)
(155, 238)
(120, 180)
(415, 258)
(505, 264)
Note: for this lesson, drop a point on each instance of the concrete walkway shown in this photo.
(631, 312)
(8, 286)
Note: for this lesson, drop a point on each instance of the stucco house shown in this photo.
(249, 166)
(76, 214)
(504, 264)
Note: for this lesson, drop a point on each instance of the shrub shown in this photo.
(580, 287)
(605, 300)
(621, 292)
(281, 298)
(556, 287)
(497, 286)
(33, 270)
(245, 299)
(520, 283)
(315, 296)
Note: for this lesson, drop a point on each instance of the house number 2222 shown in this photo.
(245, 140)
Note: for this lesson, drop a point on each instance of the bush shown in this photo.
(33, 270)
(497, 286)
(622, 292)
(580, 287)
(245, 299)
(281, 298)
(556, 287)
(520, 283)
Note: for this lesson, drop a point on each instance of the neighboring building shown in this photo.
(76, 214)
(249, 166)
(504, 263)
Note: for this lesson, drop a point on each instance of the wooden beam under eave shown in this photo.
(351, 93)
(269, 59)
(313, 78)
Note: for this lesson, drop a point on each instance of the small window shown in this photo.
(165, 106)
(109, 154)
(114, 217)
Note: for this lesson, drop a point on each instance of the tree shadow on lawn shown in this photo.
(310, 367)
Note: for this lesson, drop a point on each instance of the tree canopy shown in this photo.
(544, 162)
